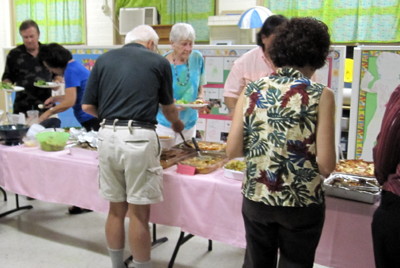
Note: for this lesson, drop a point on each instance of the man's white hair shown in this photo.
(182, 31)
(141, 33)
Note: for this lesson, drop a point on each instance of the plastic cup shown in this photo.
(33, 117)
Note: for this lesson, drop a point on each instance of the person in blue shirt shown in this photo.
(60, 62)
(187, 66)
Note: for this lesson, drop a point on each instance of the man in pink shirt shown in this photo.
(253, 65)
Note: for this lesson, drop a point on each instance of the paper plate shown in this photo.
(191, 105)
(15, 89)
(48, 85)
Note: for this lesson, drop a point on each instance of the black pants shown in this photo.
(92, 124)
(295, 231)
(386, 231)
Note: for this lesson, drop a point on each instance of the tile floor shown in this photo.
(47, 236)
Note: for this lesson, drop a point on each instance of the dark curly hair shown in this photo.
(269, 27)
(300, 42)
(55, 55)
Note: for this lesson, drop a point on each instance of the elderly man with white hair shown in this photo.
(125, 90)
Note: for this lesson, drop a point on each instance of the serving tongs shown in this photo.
(184, 141)
(199, 154)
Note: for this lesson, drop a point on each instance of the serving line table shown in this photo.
(208, 205)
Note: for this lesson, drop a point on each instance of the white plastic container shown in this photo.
(166, 142)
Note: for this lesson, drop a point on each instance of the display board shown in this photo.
(376, 75)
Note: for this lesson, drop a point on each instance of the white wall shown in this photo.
(99, 26)
(5, 39)
(234, 5)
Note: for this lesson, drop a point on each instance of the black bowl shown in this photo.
(13, 134)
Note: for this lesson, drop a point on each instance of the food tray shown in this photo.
(206, 163)
(366, 192)
(172, 156)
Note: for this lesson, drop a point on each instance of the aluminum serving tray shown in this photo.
(369, 193)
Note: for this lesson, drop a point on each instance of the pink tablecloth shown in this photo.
(204, 205)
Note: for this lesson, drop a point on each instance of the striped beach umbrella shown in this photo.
(254, 17)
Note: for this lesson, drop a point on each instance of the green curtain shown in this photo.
(195, 12)
(60, 21)
(349, 21)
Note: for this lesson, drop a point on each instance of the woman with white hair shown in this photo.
(187, 67)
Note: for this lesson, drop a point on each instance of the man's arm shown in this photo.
(171, 113)
(90, 109)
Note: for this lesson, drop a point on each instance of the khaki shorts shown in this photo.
(129, 165)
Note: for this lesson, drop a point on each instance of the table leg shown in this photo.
(156, 242)
(17, 207)
(182, 240)
(4, 193)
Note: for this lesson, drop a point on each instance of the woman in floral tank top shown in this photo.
(284, 126)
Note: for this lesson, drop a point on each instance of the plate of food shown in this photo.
(44, 84)
(10, 87)
(194, 104)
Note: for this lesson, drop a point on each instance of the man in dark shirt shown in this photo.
(125, 90)
(24, 68)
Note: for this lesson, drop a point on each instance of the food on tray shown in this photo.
(206, 146)
(172, 156)
(202, 161)
(211, 146)
(354, 183)
(352, 187)
(6, 85)
(355, 167)
(40, 83)
(205, 164)
(237, 165)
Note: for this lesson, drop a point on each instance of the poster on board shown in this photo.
(376, 75)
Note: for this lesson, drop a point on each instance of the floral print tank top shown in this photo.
(280, 119)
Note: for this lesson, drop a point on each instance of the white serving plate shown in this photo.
(15, 89)
(233, 174)
(191, 105)
(48, 85)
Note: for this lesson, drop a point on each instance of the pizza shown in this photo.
(357, 167)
